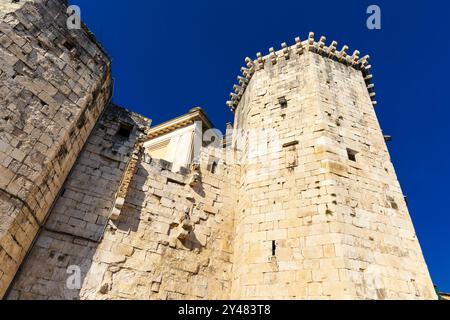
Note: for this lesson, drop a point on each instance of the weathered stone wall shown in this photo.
(311, 223)
(55, 84)
(79, 218)
(150, 254)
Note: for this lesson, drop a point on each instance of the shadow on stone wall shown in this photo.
(64, 252)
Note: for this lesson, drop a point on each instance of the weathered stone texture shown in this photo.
(54, 85)
(143, 256)
(80, 216)
(303, 203)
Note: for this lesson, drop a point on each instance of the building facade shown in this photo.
(298, 200)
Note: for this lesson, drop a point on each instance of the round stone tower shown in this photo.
(321, 213)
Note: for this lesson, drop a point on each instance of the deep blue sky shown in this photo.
(169, 56)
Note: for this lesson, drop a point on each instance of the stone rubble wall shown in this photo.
(311, 223)
(55, 84)
(80, 216)
(150, 254)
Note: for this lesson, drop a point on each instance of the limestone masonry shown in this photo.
(298, 200)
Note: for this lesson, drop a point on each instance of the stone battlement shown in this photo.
(291, 52)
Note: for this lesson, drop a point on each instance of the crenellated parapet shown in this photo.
(353, 60)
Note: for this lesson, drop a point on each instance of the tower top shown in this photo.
(300, 47)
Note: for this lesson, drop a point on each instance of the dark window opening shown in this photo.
(283, 102)
(125, 131)
(69, 45)
(352, 154)
(274, 248)
(214, 166)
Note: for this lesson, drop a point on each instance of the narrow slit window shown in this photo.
(351, 155)
(394, 205)
(274, 248)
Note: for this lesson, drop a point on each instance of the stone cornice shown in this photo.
(195, 114)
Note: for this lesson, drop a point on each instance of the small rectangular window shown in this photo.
(125, 131)
(352, 154)
(274, 248)
(283, 102)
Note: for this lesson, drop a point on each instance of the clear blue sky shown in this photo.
(169, 56)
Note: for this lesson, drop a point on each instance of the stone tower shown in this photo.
(320, 212)
(301, 201)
